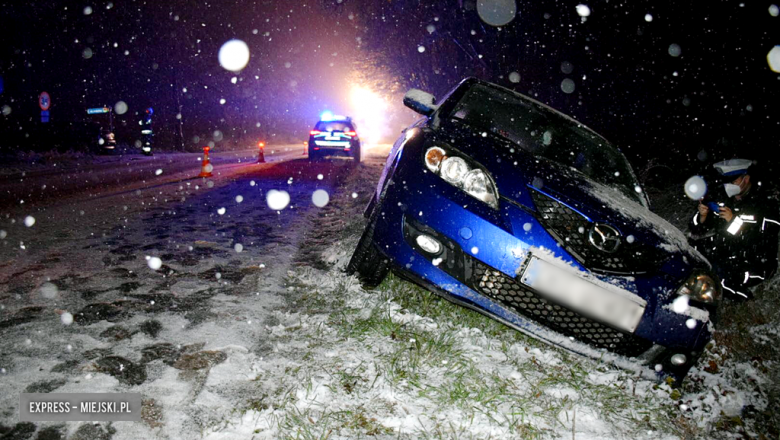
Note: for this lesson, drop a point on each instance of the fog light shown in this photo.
(679, 359)
(428, 244)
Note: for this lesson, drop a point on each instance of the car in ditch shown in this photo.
(504, 205)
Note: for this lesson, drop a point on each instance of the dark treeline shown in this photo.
(718, 96)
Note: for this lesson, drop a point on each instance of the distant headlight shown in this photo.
(462, 172)
(701, 287)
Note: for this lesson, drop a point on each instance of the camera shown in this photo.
(713, 199)
(714, 207)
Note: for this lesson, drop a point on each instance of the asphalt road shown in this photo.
(99, 174)
(144, 284)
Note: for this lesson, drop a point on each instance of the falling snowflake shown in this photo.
(234, 55)
(154, 263)
(680, 305)
(120, 107)
(320, 198)
(496, 12)
(66, 318)
(695, 188)
(277, 200)
(567, 85)
(48, 290)
(773, 58)
(583, 10)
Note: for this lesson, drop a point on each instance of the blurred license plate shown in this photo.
(582, 296)
(332, 138)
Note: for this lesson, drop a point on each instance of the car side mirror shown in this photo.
(421, 102)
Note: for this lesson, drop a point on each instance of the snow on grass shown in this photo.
(400, 361)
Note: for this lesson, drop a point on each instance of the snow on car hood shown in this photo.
(672, 239)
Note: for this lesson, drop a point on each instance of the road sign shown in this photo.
(44, 101)
(99, 110)
(44, 116)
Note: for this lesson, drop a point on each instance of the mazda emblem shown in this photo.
(604, 237)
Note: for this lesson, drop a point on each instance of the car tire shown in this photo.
(370, 266)
(313, 157)
(356, 155)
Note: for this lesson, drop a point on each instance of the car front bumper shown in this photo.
(331, 146)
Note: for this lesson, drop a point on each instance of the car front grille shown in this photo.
(500, 287)
(571, 230)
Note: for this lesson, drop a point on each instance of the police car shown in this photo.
(334, 135)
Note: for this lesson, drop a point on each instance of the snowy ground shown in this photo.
(270, 339)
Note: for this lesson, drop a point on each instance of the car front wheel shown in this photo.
(370, 266)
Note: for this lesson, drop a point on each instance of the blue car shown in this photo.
(501, 204)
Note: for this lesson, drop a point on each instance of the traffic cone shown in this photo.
(261, 157)
(206, 167)
(305, 148)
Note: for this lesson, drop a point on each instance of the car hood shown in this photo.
(518, 175)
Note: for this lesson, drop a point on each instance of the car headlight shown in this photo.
(701, 287)
(453, 170)
(463, 173)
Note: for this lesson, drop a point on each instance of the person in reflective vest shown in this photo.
(736, 227)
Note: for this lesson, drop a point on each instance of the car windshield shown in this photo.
(333, 126)
(542, 132)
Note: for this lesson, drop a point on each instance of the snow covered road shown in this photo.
(148, 287)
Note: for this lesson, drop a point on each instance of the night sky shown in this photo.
(718, 94)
